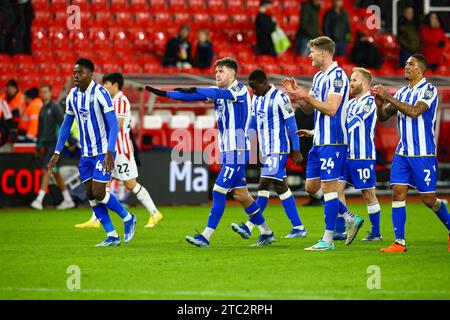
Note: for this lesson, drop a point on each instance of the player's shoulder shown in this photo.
(338, 73)
(282, 96)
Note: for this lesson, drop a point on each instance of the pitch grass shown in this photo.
(36, 248)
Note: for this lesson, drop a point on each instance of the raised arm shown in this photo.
(177, 95)
(396, 105)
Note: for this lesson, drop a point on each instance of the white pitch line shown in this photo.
(292, 294)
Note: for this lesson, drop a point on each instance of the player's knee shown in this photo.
(265, 184)
(311, 189)
(398, 194)
(130, 184)
(281, 187)
(429, 201)
(99, 193)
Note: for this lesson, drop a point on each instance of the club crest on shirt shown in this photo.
(220, 107)
(429, 92)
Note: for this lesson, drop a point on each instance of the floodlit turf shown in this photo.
(36, 249)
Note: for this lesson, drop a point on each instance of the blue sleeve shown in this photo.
(252, 127)
(185, 96)
(64, 132)
(113, 130)
(215, 93)
(292, 130)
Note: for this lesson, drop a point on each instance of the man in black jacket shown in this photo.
(265, 25)
(309, 25)
(336, 25)
(51, 117)
(178, 50)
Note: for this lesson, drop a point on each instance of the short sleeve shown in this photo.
(69, 104)
(104, 99)
(337, 81)
(285, 106)
(427, 94)
(122, 106)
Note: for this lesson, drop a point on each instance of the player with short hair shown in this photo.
(125, 166)
(415, 162)
(359, 169)
(232, 106)
(91, 105)
(273, 118)
(328, 98)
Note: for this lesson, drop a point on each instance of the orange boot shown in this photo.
(395, 247)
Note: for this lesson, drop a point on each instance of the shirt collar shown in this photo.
(364, 96)
(88, 88)
(331, 67)
(235, 82)
(418, 84)
(269, 93)
(118, 95)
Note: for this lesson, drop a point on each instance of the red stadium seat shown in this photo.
(177, 6)
(152, 68)
(39, 40)
(119, 5)
(290, 69)
(132, 68)
(99, 5)
(49, 69)
(86, 20)
(181, 18)
(220, 21)
(58, 39)
(26, 69)
(102, 19)
(143, 20)
(60, 19)
(83, 4)
(121, 42)
(235, 7)
(239, 21)
(200, 20)
(58, 6)
(138, 6)
(216, 6)
(141, 40)
(196, 6)
(78, 40)
(159, 43)
(42, 19)
(122, 19)
(291, 7)
(162, 19)
(39, 5)
(101, 41)
(252, 7)
(42, 57)
(64, 56)
(157, 6)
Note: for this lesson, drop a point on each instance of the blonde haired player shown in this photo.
(125, 168)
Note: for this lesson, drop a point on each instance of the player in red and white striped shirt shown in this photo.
(125, 166)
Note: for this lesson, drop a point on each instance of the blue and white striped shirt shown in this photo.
(361, 122)
(271, 112)
(417, 136)
(233, 119)
(89, 109)
(330, 130)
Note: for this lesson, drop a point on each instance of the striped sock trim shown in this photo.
(398, 204)
(220, 189)
(106, 198)
(330, 196)
(319, 194)
(285, 195)
(264, 193)
(93, 203)
(373, 208)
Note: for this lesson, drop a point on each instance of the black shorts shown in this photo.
(47, 154)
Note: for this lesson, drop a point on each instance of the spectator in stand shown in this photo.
(204, 53)
(336, 25)
(364, 53)
(29, 120)
(178, 50)
(51, 117)
(5, 121)
(24, 16)
(265, 25)
(433, 40)
(15, 100)
(309, 25)
(7, 27)
(408, 35)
